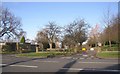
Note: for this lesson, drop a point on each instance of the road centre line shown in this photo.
(20, 66)
(80, 69)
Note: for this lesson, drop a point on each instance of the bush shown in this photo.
(46, 45)
(8, 48)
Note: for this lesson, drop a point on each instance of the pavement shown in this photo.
(75, 63)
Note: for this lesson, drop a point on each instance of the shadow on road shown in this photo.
(113, 69)
(68, 65)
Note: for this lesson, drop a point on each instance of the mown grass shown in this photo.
(33, 54)
(114, 47)
(109, 54)
(43, 54)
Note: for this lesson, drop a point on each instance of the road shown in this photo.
(75, 63)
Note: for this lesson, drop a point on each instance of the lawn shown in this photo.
(33, 54)
(42, 54)
(114, 47)
(7, 52)
(109, 54)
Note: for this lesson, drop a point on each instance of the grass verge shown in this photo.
(109, 54)
(42, 54)
(7, 52)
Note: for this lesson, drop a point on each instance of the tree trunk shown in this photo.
(103, 43)
(37, 49)
(96, 44)
(50, 45)
(75, 49)
(110, 44)
(20, 50)
(17, 46)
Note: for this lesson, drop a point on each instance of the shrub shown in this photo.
(46, 45)
(6, 48)
(22, 39)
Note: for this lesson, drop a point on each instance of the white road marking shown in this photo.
(2, 64)
(79, 69)
(81, 58)
(25, 66)
(20, 66)
(50, 61)
(71, 68)
(66, 57)
(100, 62)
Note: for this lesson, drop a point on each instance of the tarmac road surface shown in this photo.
(75, 63)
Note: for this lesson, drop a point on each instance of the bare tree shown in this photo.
(10, 26)
(42, 36)
(52, 31)
(49, 34)
(76, 32)
(103, 37)
(94, 35)
(111, 32)
(115, 29)
(107, 20)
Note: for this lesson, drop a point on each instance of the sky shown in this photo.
(35, 15)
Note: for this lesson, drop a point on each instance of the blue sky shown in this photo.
(35, 15)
